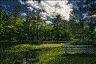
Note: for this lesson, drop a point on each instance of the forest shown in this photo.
(21, 42)
(15, 30)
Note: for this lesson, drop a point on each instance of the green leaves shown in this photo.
(28, 29)
(17, 13)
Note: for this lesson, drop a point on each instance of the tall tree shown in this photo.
(91, 22)
(63, 28)
(91, 29)
(28, 29)
(18, 26)
(57, 21)
(41, 23)
(32, 31)
(6, 20)
(77, 28)
(17, 8)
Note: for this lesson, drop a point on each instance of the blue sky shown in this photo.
(47, 8)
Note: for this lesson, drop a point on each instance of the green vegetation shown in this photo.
(22, 31)
(16, 54)
(14, 50)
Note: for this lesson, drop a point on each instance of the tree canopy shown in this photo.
(28, 32)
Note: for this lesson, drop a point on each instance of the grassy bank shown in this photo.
(45, 54)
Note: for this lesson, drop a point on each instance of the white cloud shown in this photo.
(33, 4)
(30, 8)
(21, 2)
(23, 14)
(47, 22)
(63, 11)
(51, 9)
(86, 16)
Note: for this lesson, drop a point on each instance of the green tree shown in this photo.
(17, 8)
(42, 27)
(18, 24)
(72, 27)
(91, 23)
(78, 30)
(91, 34)
(6, 20)
(32, 31)
(57, 21)
(19, 34)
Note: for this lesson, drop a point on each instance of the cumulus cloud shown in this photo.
(23, 14)
(30, 8)
(51, 8)
(21, 2)
(49, 22)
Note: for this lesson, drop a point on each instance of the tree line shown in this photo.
(15, 29)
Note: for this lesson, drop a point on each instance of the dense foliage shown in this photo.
(15, 29)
